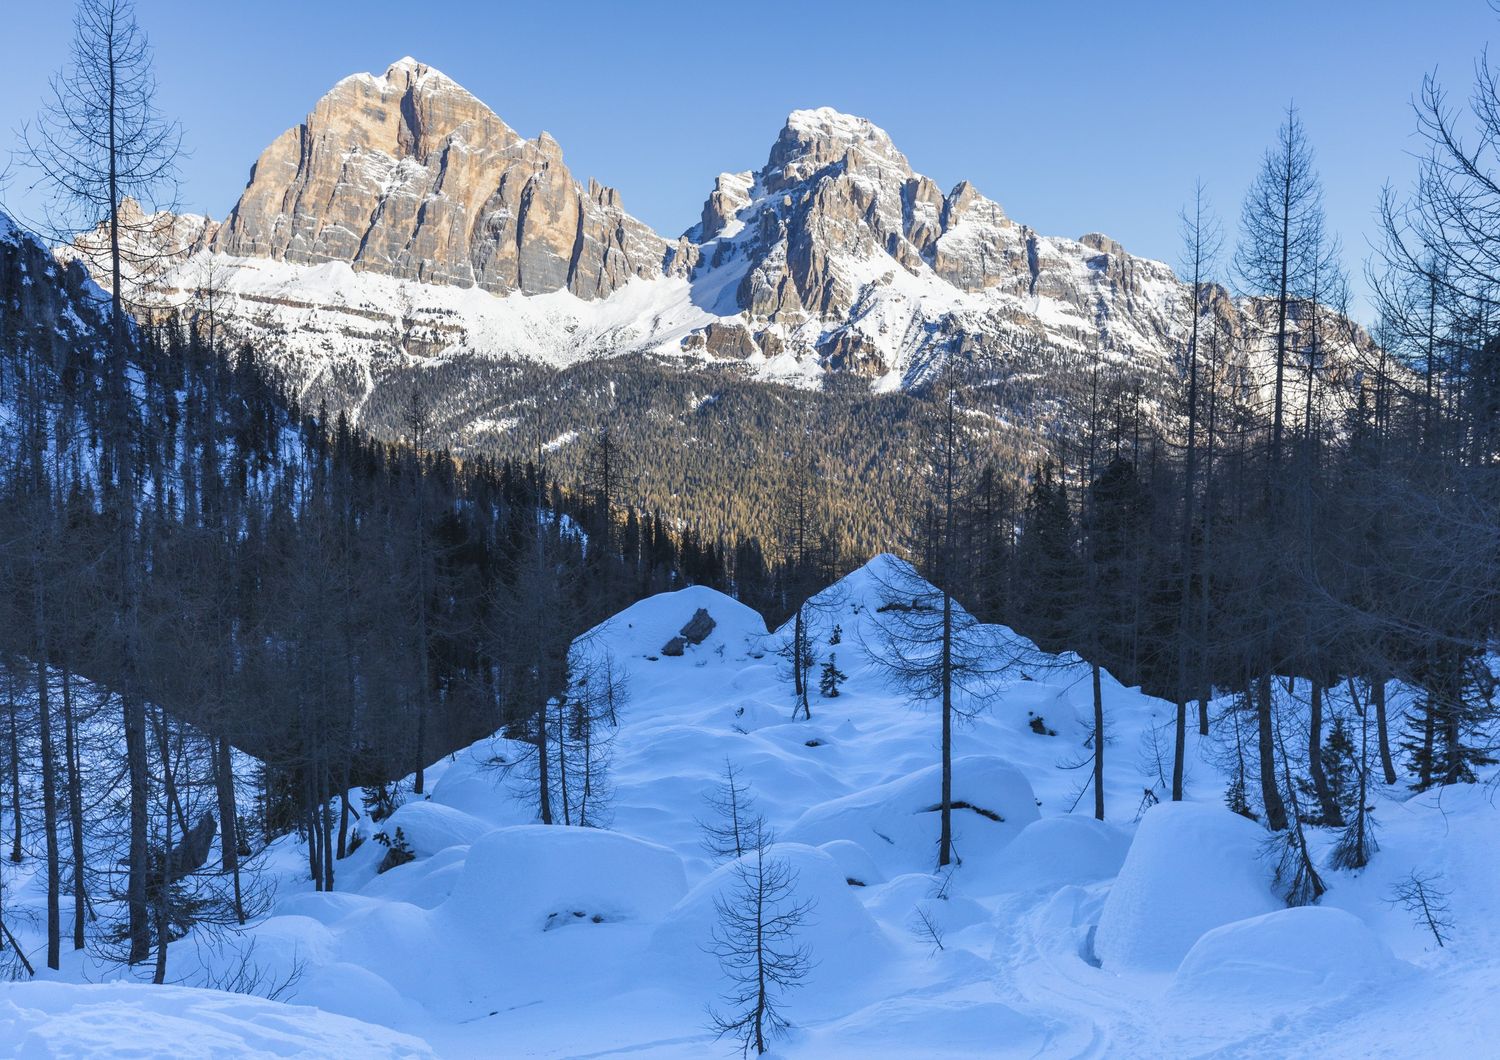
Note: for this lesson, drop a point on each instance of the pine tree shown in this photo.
(830, 679)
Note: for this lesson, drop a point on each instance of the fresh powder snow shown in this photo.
(1157, 932)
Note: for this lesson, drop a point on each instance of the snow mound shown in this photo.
(1292, 955)
(946, 1027)
(431, 827)
(1190, 869)
(898, 823)
(532, 877)
(854, 861)
(473, 783)
(1056, 851)
(630, 645)
(43, 1019)
(843, 940)
(425, 883)
(855, 601)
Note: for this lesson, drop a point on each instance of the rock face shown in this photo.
(408, 175)
(46, 305)
(844, 248)
(835, 256)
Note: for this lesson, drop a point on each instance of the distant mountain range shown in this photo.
(403, 236)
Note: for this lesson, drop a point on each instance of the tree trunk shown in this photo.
(229, 831)
(75, 808)
(1265, 739)
(15, 776)
(1377, 687)
(344, 820)
(1326, 803)
(544, 794)
(1179, 747)
(163, 891)
(325, 820)
(945, 839)
(1098, 743)
(562, 762)
(1429, 734)
(49, 797)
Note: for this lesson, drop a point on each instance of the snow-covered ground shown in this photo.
(1155, 933)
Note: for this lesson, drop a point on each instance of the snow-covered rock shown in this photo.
(1191, 868)
(846, 942)
(897, 824)
(535, 877)
(430, 827)
(1301, 956)
(1055, 851)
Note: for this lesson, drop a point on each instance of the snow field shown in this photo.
(1150, 934)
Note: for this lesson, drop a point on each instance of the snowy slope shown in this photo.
(1155, 933)
(114, 1020)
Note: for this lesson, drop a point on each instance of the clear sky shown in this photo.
(1075, 116)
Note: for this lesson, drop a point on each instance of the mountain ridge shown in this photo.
(405, 244)
(409, 176)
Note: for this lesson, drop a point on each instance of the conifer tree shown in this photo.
(830, 678)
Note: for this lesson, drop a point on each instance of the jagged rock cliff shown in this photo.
(373, 226)
(848, 254)
(408, 175)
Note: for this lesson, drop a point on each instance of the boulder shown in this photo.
(698, 627)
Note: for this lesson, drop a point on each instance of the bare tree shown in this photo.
(925, 640)
(99, 140)
(1202, 239)
(733, 825)
(1422, 895)
(1282, 243)
(755, 941)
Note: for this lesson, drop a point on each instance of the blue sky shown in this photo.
(1075, 116)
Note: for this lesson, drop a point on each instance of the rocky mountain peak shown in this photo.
(407, 174)
(813, 140)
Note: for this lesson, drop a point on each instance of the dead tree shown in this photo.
(755, 940)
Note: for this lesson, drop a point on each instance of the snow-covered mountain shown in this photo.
(403, 217)
(404, 239)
